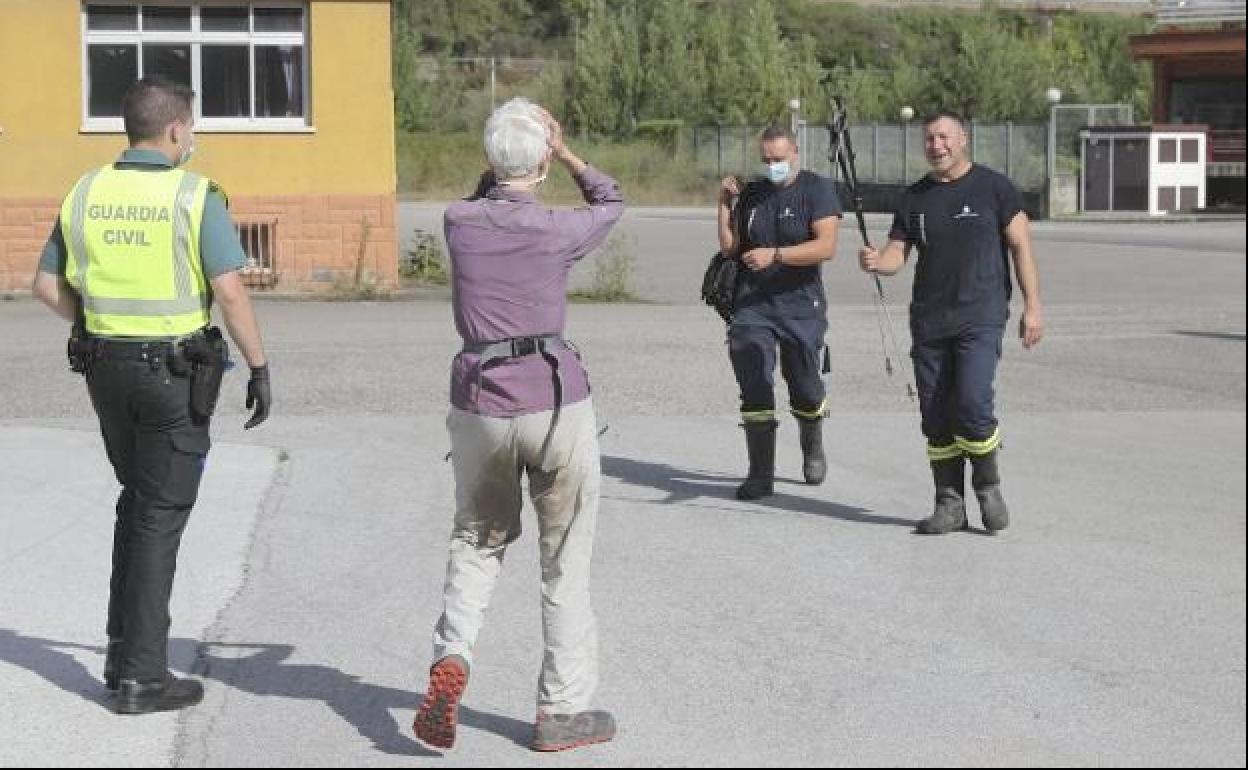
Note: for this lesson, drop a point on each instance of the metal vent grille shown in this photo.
(259, 240)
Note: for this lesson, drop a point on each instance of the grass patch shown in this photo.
(433, 167)
(613, 273)
(424, 264)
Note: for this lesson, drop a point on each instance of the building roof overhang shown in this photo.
(1170, 43)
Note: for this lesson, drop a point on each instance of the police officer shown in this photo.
(965, 220)
(782, 228)
(139, 252)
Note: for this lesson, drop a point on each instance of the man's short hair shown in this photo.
(777, 131)
(516, 139)
(945, 115)
(153, 103)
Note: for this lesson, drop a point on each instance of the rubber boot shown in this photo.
(949, 512)
(987, 483)
(760, 440)
(814, 464)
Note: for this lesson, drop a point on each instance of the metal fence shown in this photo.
(885, 153)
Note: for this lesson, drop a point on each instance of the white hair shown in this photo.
(515, 139)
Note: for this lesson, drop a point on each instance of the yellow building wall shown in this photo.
(43, 151)
(320, 186)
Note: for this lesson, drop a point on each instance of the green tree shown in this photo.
(724, 100)
(762, 57)
(672, 83)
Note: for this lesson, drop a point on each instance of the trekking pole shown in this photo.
(842, 148)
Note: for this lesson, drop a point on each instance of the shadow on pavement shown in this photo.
(683, 486)
(1228, 336)
(52, 660)
(366, 707)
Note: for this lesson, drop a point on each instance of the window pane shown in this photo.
(172, 61)
(279, 19)
(111, 69)
(1190, 150)
(1167, 151)
(225, 81)
(228, 19)
(279, 81)
(112, 17)
(164, 17)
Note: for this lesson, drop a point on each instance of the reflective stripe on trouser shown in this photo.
(753, 352)
(955, 377)
(490, 455)
(946, 452)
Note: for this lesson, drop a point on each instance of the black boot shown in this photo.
(950, 509)
(168, 694)
(112, 665)
(987, 483)
(814, 464)
(760, 440)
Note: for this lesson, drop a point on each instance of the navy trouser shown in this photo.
(955, 380)
(158, 455)
(752, 349)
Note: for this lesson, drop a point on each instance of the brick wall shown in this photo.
(24, 227)
(320, 238)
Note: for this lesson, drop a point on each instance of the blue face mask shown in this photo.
(778, 172)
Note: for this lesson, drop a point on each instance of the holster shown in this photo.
(207, 355)
(78, 349)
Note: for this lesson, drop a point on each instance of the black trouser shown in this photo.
(955, 380)
(158, 454)
(753, 352)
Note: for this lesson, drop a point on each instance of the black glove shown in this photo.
(258, 396)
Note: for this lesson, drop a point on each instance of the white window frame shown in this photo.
(196, 39)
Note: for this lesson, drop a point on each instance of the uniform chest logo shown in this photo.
(966, 213)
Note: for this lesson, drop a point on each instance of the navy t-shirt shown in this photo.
(767, 215)
(962, 276)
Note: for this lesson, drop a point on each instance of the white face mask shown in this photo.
(777, 172)
(185, 157)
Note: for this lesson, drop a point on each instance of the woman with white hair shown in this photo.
(520, 404)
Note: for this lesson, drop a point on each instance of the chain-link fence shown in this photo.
(885, 153)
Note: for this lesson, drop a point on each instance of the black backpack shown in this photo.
(719, 282)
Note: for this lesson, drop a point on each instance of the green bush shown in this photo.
(424, 263)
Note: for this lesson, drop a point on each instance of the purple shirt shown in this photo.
(510, 259)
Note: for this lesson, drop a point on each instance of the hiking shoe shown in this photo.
(558, 732)
(435, 721)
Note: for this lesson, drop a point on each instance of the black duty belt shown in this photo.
(544, 345)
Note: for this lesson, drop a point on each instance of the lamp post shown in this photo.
(1054, 97)
(795, 122)
(906, 114)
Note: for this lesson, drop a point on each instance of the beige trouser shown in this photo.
(490, 455)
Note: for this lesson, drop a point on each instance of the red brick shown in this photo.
(355, 202)
(316, 231)
(17, 215)
(17, 232)
(354, 216)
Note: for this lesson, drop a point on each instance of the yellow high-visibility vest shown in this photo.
(132, 238)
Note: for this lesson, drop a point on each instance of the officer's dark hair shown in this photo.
(153, 103)
(777, 131)
(942, 115)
